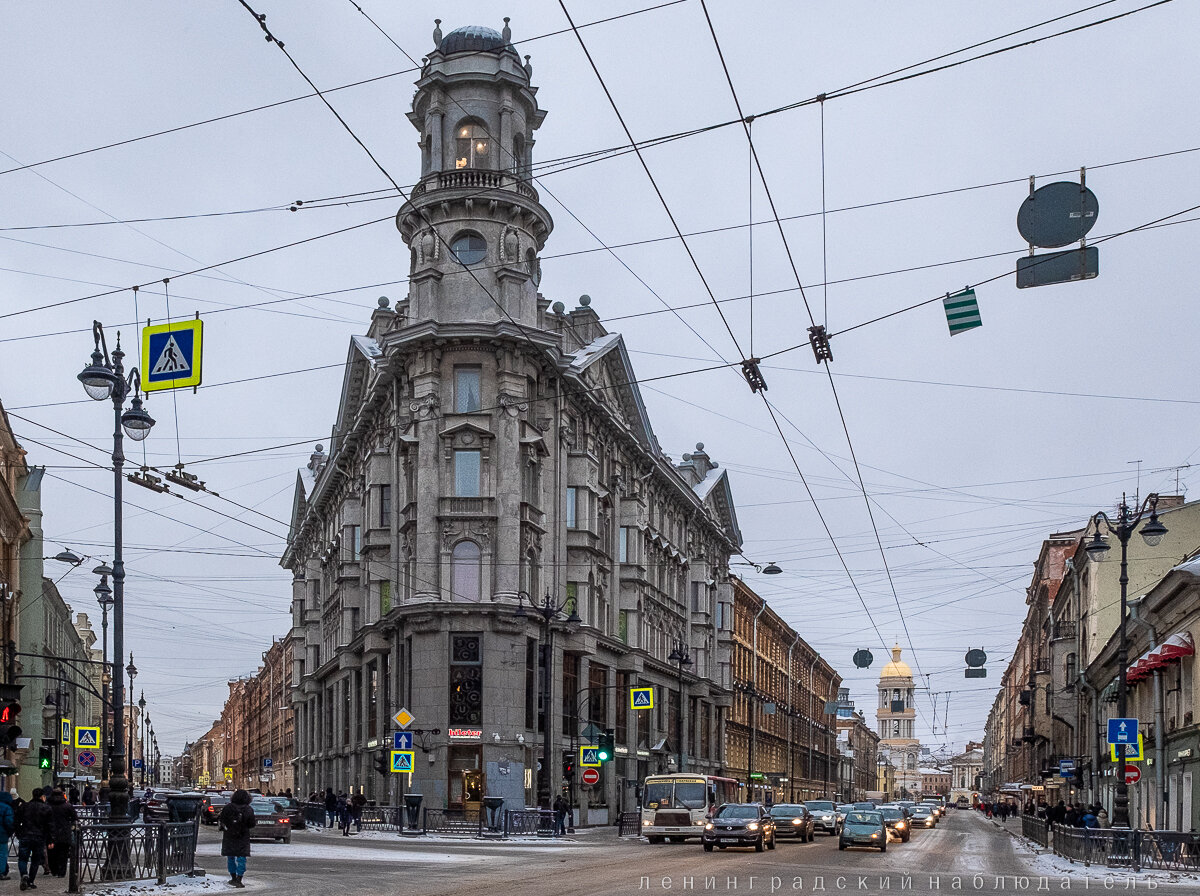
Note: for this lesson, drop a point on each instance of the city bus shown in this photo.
(675, 807)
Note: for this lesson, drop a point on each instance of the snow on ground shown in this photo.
(1044, 862)
(180, 885)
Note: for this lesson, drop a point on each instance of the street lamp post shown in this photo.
(102, 378)
(546, 612)
(1152, 533)
(145, 721)
(105, 598)
(681, 656)
(131, 671)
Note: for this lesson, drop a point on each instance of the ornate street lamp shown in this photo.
(546, 612)
(1152, 533)
(104, 377)
(105, 598)
(681, 657)
(131, 671)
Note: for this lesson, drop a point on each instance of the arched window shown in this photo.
(472, 146)
(518, 151)
(466, 574)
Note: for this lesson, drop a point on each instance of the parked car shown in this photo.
(172, 805)
(922, 817)
(793, 820)
(210, 809)
(863, 828)
(896, 820)
(740, 824)
(295, 812)
(825, 816)
(272, 820)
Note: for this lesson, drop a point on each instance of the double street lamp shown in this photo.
(682, 658)
(104, 377)
(546, 612)
(1152, 533)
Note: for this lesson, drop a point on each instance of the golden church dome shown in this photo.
(896, 668)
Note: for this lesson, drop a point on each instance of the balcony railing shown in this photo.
(475, 179)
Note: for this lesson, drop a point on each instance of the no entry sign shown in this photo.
(591, 776)
(1133, 774)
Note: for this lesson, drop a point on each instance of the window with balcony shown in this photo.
(466, 572)
(472, 146)
(466, 390)
(466, 473)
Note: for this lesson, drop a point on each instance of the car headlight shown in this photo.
(752, 826)
(708, 827)
(645, 824)
(797, 821)
(875, 834)
(899, 825)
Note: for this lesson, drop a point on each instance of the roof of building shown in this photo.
(896, 668)
(475, 39)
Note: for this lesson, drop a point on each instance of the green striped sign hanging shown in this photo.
(962, 311)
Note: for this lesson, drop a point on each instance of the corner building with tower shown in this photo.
(494, 540)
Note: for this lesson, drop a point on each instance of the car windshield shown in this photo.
(921, 810)
(891, 814)
(819, 805)
(784, 810)
(865, 807)
(870, 818)
(738, 812)
(264, 807)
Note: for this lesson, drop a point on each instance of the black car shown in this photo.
(740, 824)
(896, 820)
(793, 820)
(210, 809)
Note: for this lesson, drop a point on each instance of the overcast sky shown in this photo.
(972, 448)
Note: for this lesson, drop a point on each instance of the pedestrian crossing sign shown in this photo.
(589, 756)
(171, 355)
(641, 698)
(87, 738)
(1132, 753)
(65, 740)
(402, 760)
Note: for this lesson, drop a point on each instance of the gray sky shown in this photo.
(972, 448)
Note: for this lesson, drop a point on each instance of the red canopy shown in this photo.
(1177, 646)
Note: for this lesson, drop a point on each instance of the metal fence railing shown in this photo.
(629, 824)
(1035, 829)
(527, 822)
(1168, 850)
(454, 821)
(101, 853)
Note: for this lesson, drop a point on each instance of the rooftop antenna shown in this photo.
(1137, 491)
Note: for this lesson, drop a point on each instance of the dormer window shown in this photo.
(472, 147)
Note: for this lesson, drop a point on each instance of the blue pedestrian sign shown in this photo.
(402, 740)
(402, 760)
(171, 355)
(641, 698)
(1122, 731)
(1066, 768)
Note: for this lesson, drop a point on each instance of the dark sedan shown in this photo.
(896, 820)
(210, 810)
(793, 820)
(740, 824)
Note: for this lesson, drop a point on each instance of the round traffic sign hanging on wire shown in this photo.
(975, 657)
(863, 658)
(1057, 214)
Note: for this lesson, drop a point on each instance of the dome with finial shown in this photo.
(896, 668)
(477, 39)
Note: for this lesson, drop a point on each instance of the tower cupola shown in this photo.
(474, 206)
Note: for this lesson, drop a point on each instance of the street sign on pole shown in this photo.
(404, 718)
(641, 698)
(1133, 774)
(1133, 752)
(591, 776)
(1122, 731)
(1066, 768)
(402, 760)
(589, 756)
(171, 355)
(402, 740)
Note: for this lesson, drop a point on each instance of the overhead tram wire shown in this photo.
(825, 362)
(603, 245)
(296, 99)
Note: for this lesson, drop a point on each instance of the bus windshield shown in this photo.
(680, 794)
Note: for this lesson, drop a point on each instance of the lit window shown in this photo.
(471, 147)
(466, 474)
(469, 248)
(466, 390)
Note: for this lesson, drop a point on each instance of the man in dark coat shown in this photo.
(62, 820)
(237, 818)
(33, 832)
(330, 807)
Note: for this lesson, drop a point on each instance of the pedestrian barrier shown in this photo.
(103, 852)
(1132, 849)
(454, 821)
(630, 825)
(1035, 829)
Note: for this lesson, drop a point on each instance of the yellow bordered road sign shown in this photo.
(589, 756)
(402, 760)
(1132, 754)
(641, 698)
(65, 739)
(171, 355)
(87, 738)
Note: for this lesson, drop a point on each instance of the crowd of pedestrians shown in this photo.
(43, 825)
(341, 809)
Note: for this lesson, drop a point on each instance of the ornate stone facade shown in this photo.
(492, 453)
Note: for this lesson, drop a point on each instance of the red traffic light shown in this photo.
(9, 710)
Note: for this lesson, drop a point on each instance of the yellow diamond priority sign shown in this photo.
(404, 718)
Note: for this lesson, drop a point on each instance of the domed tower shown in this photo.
(896, 715)
(473, 224)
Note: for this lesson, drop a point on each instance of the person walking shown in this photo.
(357, 802)
(330, 807)
(343, 814)
(33, 830)
(8, 824)
(89, 795)
(62, 819)
(237, 818)
(560, 816)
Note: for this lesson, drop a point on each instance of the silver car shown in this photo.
(825, 816)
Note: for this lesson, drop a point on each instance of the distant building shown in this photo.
(896, 720)
(935, 782)
(858, 748)
(966, 771)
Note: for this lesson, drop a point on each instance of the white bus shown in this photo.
(675, 807)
